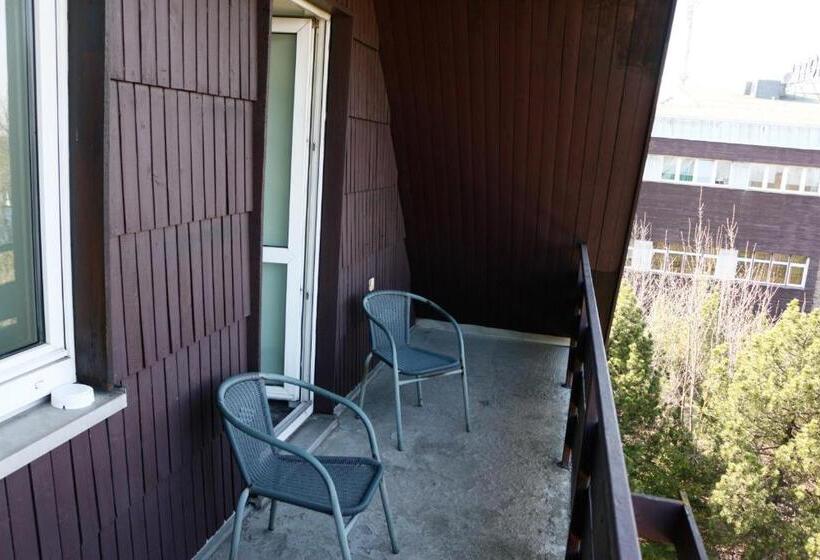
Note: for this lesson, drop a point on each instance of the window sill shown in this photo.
(35, 432)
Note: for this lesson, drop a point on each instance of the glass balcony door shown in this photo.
(287, 219)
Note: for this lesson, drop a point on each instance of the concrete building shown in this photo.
(749, 159)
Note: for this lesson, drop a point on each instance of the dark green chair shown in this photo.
(388, 313)
(342, 487)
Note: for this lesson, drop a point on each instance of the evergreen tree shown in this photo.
(769, 430)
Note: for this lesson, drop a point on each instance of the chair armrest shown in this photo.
(440, 310)
(371, 434)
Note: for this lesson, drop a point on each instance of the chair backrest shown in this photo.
(244, 400)
(392, 310)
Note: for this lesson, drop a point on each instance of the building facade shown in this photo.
(752, 165)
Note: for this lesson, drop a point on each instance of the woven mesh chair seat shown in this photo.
(417, 361)
(293, 480)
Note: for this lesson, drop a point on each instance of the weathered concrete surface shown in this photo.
(493, 493)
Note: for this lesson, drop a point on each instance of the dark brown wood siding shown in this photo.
(519, 129)
(371, 229)
(156, 480)
(771, 222)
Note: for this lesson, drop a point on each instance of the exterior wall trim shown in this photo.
(33, 433)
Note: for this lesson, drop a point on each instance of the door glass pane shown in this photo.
(20, 307)
(278, 138)
(272, 318)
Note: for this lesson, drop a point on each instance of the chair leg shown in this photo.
(367, 361)
(273, 504)
(396, 391)
(394, 544)
(418, 393)
(466, 396)
(237, 522)
(342, 533)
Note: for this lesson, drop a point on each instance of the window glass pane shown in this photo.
(793, 175)
(652, 171)
(739, 176)
(703, 171)
(709, 264)
(723, 172)
(657, 261)
(689, 264)
(687, 169)
(742, 269)
(668, 171)
(812, 180)
(674, 263)
(20, 307)
(278, 139)
(778, 275)
(760, 271)
(756, 172)
(796, 275)
(799, 259)
(775, 177)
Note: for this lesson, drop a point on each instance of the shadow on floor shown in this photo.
(493, 493)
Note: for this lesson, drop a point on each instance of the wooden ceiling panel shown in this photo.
(520, 129)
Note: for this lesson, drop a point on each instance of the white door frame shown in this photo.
(302, 254)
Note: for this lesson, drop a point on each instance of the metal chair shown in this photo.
(339, 486)
(388, 313)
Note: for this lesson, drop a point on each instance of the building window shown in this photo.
(669, 169)
(36, 343)
(687, 169)
(774, 177)
(780, 270)
(812, 183)
(722, 172)
(773, 268)
(707, 172)
(653, 168)
(793, 178)
(757, 175)
(704, 171)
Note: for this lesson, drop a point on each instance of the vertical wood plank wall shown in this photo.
(520, 129)
(372, 228)
(157, 479)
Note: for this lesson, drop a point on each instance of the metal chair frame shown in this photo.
(376, 323)
(342, 528)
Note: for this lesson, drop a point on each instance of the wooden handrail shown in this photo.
(603, 521)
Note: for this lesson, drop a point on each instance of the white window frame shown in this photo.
(725, 260)
(653, 172)
(30, 375)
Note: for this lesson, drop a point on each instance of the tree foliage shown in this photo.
(769, 431)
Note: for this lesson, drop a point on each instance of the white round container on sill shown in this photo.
(72, 396)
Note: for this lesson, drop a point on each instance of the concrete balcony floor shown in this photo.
(495, 492)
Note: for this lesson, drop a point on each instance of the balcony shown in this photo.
(496, 492)
(499, 491)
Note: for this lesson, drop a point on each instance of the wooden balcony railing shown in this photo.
(607, 520)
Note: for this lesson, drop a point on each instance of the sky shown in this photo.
(735, 41)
